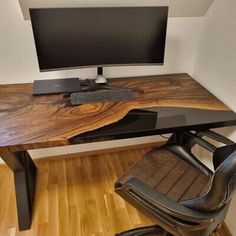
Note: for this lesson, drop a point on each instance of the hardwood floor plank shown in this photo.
(75, 197)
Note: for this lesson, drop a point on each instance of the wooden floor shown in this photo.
(74, 196)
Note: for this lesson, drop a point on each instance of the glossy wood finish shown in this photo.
(28, 122)
(75, 197)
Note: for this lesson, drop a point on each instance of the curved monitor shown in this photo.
(89, 37)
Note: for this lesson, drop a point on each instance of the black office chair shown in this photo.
(183, 195)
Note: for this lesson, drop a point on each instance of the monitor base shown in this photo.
(91, 85)
(101, 79)
(101, 83)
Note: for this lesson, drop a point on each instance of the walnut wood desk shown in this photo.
(28, 122)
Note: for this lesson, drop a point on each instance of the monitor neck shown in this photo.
(101, 79)
(100, 70)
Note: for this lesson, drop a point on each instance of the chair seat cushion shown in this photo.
(167, 173)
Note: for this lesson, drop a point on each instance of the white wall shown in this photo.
(18, 61)
(216, 65)
(177, 8)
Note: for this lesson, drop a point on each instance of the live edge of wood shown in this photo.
(28, 122)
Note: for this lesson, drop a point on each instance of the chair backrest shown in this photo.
(223, 181)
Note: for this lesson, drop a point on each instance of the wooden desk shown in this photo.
(28, 122)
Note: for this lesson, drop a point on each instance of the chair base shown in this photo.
(154, 230)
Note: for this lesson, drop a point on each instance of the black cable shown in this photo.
(165, 137)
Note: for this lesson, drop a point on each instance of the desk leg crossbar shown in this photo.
(24, 171)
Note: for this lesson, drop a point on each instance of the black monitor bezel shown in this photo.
(101, 65)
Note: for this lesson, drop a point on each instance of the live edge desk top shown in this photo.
(28, 122)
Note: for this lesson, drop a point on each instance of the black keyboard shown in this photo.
(102, 96)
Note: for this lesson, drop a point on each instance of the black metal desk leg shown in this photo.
(180, 139)
(24, 171)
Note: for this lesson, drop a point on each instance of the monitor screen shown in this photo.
(86, 37)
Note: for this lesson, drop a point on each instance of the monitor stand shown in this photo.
(101, 83)
(101, 79)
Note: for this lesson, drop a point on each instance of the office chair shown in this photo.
(184, 196)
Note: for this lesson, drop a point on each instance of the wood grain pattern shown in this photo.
(28, 122)
(75, 197)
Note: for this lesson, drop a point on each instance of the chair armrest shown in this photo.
(217, 137)
(151, 198)
(195, 139)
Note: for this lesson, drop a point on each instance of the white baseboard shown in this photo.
(47, 152)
